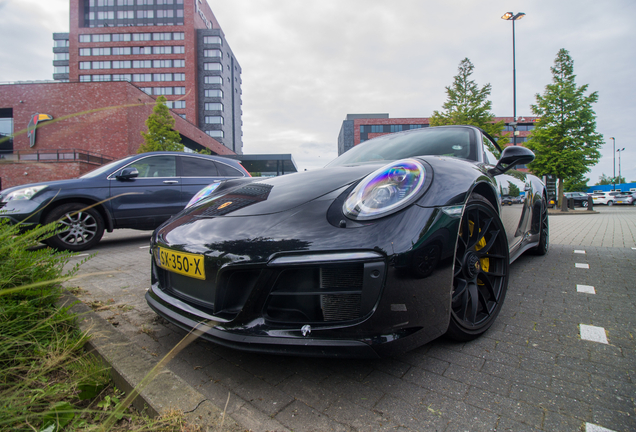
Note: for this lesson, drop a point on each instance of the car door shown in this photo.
(151, 198)
(515, 218)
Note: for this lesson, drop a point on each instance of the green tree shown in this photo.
(607, 180)
(564, 140)
(576, 184)
(161, 135)
(467, 104)
(513, 190)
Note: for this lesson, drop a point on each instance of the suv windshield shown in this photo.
(439, 141)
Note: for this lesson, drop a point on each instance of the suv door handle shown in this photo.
(171, 181)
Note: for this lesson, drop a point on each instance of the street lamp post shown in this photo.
(511, 16)
(619, 162)
(614, 173)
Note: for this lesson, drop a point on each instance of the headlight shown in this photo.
(203, 193)
(387, 190)
(24, 193)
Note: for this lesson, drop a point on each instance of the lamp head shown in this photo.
(507, 15)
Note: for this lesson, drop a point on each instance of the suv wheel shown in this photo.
(610, 203)
(82, 228)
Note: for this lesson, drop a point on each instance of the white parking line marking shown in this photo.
(593, 333)
(144, 247)
(634, 248)
(579, 252)
(589, 427)
(587, 289)
(579, 265)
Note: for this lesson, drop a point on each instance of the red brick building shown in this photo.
(92, 123)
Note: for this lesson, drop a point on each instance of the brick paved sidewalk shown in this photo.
(531, 371)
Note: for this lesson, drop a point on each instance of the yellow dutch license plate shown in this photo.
(180, 262)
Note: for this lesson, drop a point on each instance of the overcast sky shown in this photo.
(308, 63)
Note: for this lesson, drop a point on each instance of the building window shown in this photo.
(85, 51)
(99, 78)
(178, 36)
(396, 128)
(176, 104)
(147, 90)
(214, 93)
(178, 63)
(100, 38)
(215, 133)
(212, 53)
(145, 2)
(162, 63)
(162, 91)
(84, 65)
(142, 50)
(213, 106)
(178, 49)
(100, 51)
(84, 38)
(214, 119)
(139, 64)
(142, 36)
(60, 69)
(100, 65)
(168, 13)
(122, 51)
(126, 14)
(179, 77)
(121, 64)
(162, 50)
(84, 78)
(121, 37)
(415, 126)
(105, 2)
(183, 116)
(162, 77)
(161, 36)
(125, 2)
(122, 77)
(213, 66)
(60, 56)
(213, 80)
(179, 90)
(377, 128)
(106, 15)
(160, 2)
(60, 43)
(212, 40)
(145, 14)
(142, 77)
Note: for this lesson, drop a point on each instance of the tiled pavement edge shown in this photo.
(531, 371)
(129, 365)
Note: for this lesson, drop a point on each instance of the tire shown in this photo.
(610, 203)
(544, 232)
(84, 227)
(480, 279)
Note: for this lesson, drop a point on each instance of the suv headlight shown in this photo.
(386, 190)
(25, 193)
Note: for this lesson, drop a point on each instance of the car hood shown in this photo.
(278, 194)
(51, 185)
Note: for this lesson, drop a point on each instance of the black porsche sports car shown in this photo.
(396, 242)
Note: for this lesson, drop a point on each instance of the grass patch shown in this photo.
(48, 383)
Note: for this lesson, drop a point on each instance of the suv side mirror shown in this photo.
(127, 174)
(512, 156)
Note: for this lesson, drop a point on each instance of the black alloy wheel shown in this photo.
(583, 203)
(82, 228)
(480, 278)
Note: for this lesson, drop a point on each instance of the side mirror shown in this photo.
(511, 157)
(127, 174)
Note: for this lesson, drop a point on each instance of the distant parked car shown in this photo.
(607, 198)
(580, 198)
(625, 198)
(139, 192)
(506, 200)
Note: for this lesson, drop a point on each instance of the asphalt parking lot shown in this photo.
(561, 356)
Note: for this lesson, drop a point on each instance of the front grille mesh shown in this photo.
(340, 307)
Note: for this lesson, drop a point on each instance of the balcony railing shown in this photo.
(62, 155)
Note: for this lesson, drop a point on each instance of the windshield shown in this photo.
(439, 141)
(105, 168)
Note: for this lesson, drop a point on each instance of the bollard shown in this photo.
(571, 203)
(590, 203)
(564, 204)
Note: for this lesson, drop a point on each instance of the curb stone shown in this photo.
(129, 365)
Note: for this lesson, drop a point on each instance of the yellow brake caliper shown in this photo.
(484, 262)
